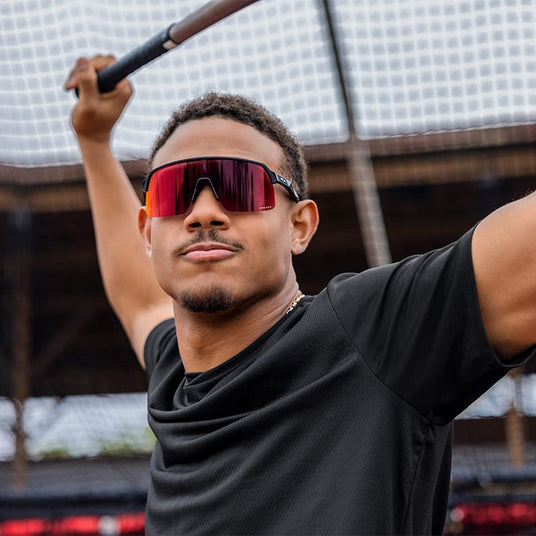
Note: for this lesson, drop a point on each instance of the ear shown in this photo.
(304, 225)
(144, 226)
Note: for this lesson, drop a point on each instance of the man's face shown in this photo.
(211, 260)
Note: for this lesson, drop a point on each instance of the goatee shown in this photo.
(211, 302)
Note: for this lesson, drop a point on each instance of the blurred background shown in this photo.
(418, 118)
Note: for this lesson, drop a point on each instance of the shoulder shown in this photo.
(439, 268)
(161, 341)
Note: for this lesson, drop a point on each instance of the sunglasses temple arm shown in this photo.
(289, 186)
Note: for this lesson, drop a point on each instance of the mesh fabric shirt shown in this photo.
(335, 421)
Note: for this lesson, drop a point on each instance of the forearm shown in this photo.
(126, 270)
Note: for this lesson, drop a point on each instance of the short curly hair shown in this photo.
(248, 112)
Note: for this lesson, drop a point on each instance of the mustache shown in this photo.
(212, 235)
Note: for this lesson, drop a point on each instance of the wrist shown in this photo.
(100, 142)
(94, 150)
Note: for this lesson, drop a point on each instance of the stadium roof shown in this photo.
(412, 66)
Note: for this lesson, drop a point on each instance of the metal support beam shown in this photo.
(367, 201)
(20, 273)
(514, 424)
(362, 179)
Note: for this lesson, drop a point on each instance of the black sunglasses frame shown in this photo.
(275, 178)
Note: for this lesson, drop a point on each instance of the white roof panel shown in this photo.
(412, 66)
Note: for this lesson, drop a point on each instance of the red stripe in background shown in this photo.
(127, 524)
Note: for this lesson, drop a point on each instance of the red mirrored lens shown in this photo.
(241, 186)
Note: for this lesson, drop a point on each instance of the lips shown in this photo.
(208, 252)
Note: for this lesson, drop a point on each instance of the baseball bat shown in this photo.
(167, 39)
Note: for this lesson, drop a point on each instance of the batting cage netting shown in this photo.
(418, 119)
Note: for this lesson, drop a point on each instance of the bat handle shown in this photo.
(158, 44)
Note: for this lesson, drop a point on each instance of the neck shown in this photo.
(208, 340)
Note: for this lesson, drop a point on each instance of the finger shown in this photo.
(86, 82)
(97, 62)
(101, 61)
(123, 88)
(72, 79)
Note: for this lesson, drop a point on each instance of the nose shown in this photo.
(206, 211)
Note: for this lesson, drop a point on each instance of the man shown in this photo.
(276, 413)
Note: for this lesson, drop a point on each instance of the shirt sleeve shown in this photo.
(417, 325)
(161, 339)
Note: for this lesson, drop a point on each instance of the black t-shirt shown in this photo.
(336, 420)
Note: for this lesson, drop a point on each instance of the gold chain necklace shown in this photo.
(295, 301)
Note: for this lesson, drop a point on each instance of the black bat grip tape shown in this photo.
(108, 77)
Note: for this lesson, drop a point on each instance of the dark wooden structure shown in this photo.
(59, 335)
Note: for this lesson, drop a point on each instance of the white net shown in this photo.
(419, 66)
(274, 52)
(78, 426)
(412, 66)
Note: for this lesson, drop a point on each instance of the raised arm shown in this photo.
(127, 273)
(504, 257)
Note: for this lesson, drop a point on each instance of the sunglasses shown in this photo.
(239, 185)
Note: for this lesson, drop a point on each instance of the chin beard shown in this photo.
(213, 301)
